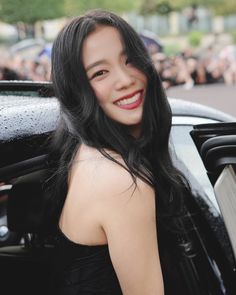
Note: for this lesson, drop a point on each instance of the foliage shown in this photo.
(217, 6)
(151, 6)
(226, 8)
(76, 7)
(195, 38)
(29, 11)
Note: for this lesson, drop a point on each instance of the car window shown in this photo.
(186, 151)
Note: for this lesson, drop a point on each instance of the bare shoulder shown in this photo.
(104, 176)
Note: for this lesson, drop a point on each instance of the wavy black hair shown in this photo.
(83, 120)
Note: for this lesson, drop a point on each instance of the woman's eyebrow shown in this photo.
(102, 61)
(95, 64)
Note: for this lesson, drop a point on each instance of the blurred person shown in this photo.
(196, 70)
(183, 73)
(192, 16)
(200, 77)
(166, 74)
(228, 56)
(8, 74)
(151, 41)
(229, 74)
(214, 71)
(36, 69)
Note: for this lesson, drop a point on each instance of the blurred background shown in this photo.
(192, 42)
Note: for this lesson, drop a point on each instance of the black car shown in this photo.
(206, 265)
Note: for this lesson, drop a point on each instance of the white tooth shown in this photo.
(124, 101)
(129, 100)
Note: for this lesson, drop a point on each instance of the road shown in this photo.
(218, 96)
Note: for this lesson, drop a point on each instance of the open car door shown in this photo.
(216, 144)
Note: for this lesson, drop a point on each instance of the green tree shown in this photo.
(219, 7)
(76, 7)
(30, 11)
(225, 8)
(153, 6)
(25, 13)
(195, 38)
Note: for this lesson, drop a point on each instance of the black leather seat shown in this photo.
(27, 268)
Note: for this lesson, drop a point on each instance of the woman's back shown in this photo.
(103, 207)
(80, 216)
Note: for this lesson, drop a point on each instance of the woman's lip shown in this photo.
(132, 105)
(128, 96)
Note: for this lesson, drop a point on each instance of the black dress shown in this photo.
(83, 270)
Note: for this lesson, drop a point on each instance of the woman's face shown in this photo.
(118, 85)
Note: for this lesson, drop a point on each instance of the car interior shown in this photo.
(28, 258)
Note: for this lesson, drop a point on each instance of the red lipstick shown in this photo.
(130, 101)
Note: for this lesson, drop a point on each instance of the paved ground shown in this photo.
(219, 96)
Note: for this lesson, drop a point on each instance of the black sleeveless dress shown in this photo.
(83, 270)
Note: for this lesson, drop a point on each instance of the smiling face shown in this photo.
(118, 85)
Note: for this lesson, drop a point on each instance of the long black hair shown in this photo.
(83, 120)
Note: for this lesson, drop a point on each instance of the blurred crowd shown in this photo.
(186, 69)
(18, 68)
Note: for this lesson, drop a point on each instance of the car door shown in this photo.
(214, 262)
(216, 145)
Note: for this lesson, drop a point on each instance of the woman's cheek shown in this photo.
(100, 90)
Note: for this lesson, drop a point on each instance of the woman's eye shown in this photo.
(99, 73)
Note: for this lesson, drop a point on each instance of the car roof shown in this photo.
(22, 115)
(24, 112)
(191, 109)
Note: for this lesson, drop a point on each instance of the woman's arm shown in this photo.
(128, 220)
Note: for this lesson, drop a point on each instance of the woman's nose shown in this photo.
(123, 79)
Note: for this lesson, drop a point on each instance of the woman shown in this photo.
(114, 177)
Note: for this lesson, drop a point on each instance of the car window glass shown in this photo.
(188, 154)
